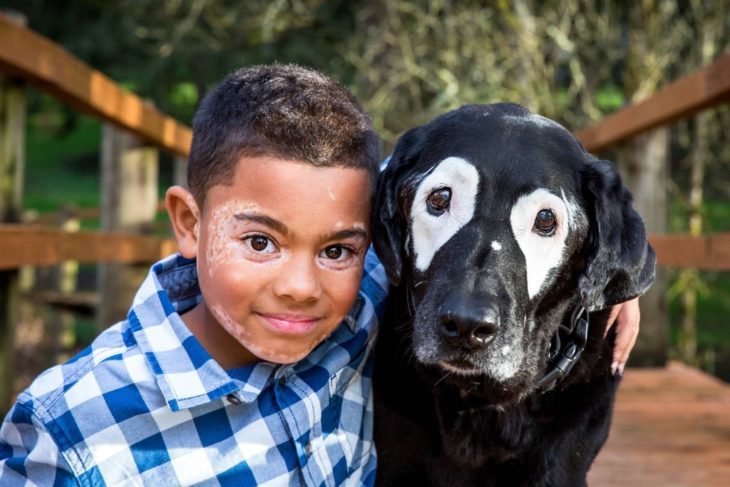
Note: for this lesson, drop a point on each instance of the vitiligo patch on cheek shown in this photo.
(252, 342)
(223, 245)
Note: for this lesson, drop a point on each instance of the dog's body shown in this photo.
(496, 227)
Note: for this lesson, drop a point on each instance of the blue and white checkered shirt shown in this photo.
(145, 404)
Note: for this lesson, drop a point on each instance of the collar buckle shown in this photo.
(563, 359)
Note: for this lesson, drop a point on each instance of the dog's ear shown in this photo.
(620, 263)
(389, 223)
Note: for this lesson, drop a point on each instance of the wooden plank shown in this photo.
(709, 252)
(36, 245)
(52, 218)
(671, 427)
(44, 63)
(693, 93)
(27, 245)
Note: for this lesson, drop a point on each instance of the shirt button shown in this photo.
(233, 399)
(282, 380)
(308, 448)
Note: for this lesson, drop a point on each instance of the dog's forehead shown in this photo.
(513, 150)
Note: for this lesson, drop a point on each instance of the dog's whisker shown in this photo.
(448, 373)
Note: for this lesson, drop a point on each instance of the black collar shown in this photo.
(566, 347)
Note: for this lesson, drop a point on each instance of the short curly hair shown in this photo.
(285, 111)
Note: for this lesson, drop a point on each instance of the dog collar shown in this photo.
(563, 358)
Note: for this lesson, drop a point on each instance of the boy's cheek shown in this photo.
(222, 247)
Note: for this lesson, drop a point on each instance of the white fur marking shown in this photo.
(542, 254)
(505, 350)
(496, 246)
(430, 232)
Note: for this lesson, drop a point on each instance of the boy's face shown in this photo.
(280, 254)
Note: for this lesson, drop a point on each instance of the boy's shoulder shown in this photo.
(92, 390)
(130, 368)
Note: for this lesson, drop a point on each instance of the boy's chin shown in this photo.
(279, 355)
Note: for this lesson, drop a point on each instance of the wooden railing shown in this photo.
(45, 64)
(705, 88)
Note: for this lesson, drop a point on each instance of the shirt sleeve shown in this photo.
(28, 454)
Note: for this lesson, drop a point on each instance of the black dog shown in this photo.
(497, 229)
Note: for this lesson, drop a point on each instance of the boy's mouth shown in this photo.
(293, 324)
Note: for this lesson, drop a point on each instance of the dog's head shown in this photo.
(498, 222)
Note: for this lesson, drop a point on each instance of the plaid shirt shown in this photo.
(145, 404)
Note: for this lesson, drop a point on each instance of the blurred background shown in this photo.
(575, 61)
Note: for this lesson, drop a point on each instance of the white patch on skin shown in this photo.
(505, 350)
(331, 194)
(245, 337)
(224, 244)
(542, 254)
(430, 232)
(496, 246)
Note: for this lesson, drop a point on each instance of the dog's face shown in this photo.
(498, 222)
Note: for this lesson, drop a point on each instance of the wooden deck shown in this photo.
(671, 427)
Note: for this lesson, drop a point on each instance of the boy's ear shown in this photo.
(185, 217)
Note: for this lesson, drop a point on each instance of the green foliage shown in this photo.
(610, 98)
(62, 164)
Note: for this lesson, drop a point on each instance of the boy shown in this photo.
(189, 389)
(245, 359)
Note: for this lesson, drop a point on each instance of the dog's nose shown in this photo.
(468, 321)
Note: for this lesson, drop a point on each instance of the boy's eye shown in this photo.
(259, 243)
(335, 252)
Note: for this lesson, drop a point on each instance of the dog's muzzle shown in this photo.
(468, 321)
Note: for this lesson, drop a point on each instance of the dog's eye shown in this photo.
(439, 200)
(545, 223)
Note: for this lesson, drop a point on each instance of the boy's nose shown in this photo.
(298, 280)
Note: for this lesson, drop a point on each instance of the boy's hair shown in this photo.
(285, 111)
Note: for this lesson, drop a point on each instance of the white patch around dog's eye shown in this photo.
(433, 221)
(540, 222)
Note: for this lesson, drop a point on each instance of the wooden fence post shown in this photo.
(644, 168)
(129, 187)
(12, 164)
